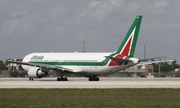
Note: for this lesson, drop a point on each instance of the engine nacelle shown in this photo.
(35, 72)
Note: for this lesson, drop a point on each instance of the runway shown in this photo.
(81, 82)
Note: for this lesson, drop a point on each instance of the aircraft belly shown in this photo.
(100, 70)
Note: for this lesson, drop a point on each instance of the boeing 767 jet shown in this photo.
(90, 65)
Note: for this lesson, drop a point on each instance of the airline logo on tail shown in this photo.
(127, 48)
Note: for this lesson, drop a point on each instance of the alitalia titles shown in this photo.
(37, 58)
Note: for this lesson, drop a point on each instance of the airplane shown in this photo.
(90, 65)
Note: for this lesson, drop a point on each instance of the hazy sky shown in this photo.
(28, 26)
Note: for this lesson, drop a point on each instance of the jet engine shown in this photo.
(36, 72)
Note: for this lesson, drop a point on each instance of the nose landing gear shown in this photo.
(31, 79)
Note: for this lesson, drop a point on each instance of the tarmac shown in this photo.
(81, 82)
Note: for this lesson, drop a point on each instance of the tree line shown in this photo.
(13, 72)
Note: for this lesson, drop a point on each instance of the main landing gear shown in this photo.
(62, 78)
(93, 78)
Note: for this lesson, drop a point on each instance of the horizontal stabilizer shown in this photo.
(151, 62)
(142, 60)
(118, 60)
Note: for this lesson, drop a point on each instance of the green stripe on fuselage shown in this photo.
(103, 63)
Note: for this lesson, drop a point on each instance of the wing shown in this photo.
(43, 66)
(143, 60)
(150, 62)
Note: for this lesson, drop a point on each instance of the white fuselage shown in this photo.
(87, 63)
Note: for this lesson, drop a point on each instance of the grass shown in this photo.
(90, 98)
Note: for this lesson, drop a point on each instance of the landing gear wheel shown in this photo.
(93, 78)
(31, 79)
(65, 79)
(62, 79)
(58, 79)
(97, 79)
